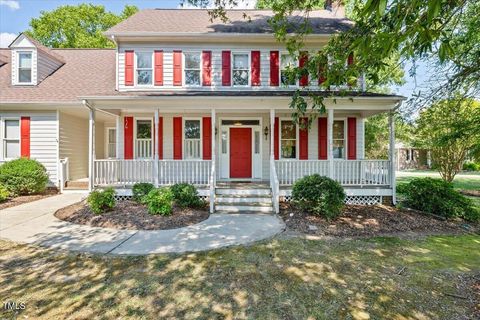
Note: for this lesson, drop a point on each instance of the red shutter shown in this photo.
(276, 138)
(128, 138)
(129, 56)
(274, 68)
(226, 71)
(352, 138)
(207, 138)
(303, 135)
(25, 137)
(321, 74)
(207, 68)
(351, 59)
(255, 68)
(177, 138)
(160, 138)
(159, 68)
(177, 68)
(322, 139)
(302, 63)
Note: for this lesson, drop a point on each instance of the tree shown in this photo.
(449, 128)
(79, 26)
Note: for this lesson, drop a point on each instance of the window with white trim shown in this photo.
(111, 143)
(25, 67)
(143, 147)
(288, 139)
(240, 69)
(11, 138)
(192, 138)
(287, 63)
(144, 68)
(192, 70)
(338, 139)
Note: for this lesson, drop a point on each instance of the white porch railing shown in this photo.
(346, 172)
(117, 172)
(143, 148)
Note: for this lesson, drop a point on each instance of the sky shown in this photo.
(15, 16)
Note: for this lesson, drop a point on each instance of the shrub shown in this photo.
(186, 195)
(23, 176)
(438, 197)
(319, 195)
(4, 194)
(140, 190)
(471, 166)
(101, 201)
(159, 201)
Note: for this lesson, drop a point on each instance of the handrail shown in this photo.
(212, 187)
(275, 185)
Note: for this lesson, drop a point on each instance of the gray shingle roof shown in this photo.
(198, 21)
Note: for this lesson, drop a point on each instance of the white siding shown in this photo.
(360, 138)
(46, 66)
(74, 144)
(313, 141)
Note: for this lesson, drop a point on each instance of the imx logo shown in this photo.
(13, 305)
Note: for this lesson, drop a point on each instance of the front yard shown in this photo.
(388, 278)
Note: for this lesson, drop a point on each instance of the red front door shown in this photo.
(240, 152)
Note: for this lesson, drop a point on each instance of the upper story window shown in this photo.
(288, 139)
(11, 138)
(144, 68)
(339, 139)
(241, 69)
(24, 67)
(192, 68)
(193, 143)
(286, 63)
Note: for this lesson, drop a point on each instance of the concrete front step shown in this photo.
(244, 199)
(76, 185)
(243, 192)
(243, 208)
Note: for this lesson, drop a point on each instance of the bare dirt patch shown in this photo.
(25, 199)
(367, 221)
(131, 216)
(473, 193)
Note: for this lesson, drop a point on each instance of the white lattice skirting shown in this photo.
(361, 200)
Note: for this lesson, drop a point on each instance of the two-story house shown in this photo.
(184, 99)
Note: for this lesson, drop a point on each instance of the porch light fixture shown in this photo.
(237, 124)
(265, 132)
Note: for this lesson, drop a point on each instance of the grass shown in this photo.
(277, 279)
(463, 181)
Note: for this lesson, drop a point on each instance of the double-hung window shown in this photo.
(241, 69)
(192, 68)
(338, 139)
(144, 68)
(193, 142)
(287, 63)
(111, 143)
(144, 139)
(288, 139)
(11, 138)
(25, 67)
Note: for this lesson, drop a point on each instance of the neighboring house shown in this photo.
(182, 99)
(411, 158)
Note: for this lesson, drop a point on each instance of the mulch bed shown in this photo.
(131, 216)
(25, 199)
(366, 221)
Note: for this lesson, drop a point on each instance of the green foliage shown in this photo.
(186, 195)
(140, 190)
(101, 201)
(23, 176)
(4, 193)
(77, 26)
(319, 195)
(159, 201)
(438, 197)
(471, 166)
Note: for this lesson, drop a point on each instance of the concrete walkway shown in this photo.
(34, 223)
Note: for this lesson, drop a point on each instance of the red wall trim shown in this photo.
(352, 138)
(177, 68)
(303, 143)
(160, 138)
(158, 67)
(177, 138)
(129, 57)
(207, 138)
(274, 68)
(226, 71)
(276, 138)
(322, 139)
(350, 59)
(255, 68)
(207, 68)
(302, 63)
(128, 138)
(25, 137)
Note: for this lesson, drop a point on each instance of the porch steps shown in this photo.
(76, 185)
(232, 199)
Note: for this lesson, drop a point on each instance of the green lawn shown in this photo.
(463, 181)
(381, 278)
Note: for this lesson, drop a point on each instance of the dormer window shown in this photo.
(192, 68)
(25, 67)
(144, 68)
(241, 69)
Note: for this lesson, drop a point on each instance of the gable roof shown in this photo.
(197, 21)
(40, 47)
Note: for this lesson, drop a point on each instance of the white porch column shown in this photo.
(330, 143)
(118, 128)
(91, 148)
(155, 148)
(213, 176)
(272, 132)
(391, 156)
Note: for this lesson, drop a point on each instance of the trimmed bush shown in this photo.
(140, 190)
(186, 195)
(319, 195)
(438, 197)
(4, 194)
(159, 201)
(23, 176)
(471, 166)
(101, 201)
